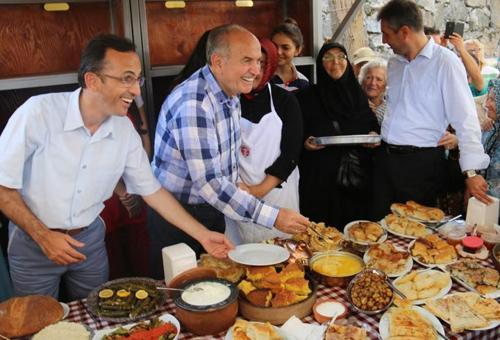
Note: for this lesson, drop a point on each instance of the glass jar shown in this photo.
(490, 239)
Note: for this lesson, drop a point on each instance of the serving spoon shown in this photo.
(190, 289)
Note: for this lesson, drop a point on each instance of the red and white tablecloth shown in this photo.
(79, 313)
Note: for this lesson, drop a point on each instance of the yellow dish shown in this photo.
(339, 265)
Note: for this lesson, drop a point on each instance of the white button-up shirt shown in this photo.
(427, 94)
(64, 173)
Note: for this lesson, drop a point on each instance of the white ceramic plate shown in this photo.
(440, 294)
(258, 254)
(229, 334)
(350, 225)
(428, 265)
(383, 326)
(492, 295)
(98, 335)
(65, 308)
(492, 324)
(348, 139)
(389, 230)
(405, 269)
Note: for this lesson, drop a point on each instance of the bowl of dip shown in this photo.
(207, 306)
(325, 309)
(336, 268)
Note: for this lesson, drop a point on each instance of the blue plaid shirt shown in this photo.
(196, 150)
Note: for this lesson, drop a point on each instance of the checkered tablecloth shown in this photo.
(79, 312)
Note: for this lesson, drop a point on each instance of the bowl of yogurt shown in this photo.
(207, 306)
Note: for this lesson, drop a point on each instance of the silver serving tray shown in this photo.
(348, 139)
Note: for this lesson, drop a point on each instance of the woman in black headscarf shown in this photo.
(336, 105)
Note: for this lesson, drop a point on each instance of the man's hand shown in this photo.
(216, 244)
(133, 204)
(311, 146)
(59, 248)
(291, 222)
(478, 187)
(449, 141)
(372, 145)
(487, 124)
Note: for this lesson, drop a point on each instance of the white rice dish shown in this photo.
(63, 330)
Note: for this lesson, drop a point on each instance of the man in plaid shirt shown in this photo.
(198, 141)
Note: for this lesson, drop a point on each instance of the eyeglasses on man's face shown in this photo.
(336, 57)
(128, 80)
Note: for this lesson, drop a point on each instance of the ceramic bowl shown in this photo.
(323, 316)
(208, 319)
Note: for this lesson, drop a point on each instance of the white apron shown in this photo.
(260, 147)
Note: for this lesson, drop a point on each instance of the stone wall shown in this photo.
(481, 18)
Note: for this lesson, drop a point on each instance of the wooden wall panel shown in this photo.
(300, 10)
(173, 33)
(36, 42)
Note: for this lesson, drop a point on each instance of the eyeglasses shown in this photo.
(127, 80)
(331, 57)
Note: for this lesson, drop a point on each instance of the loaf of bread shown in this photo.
(26, 315)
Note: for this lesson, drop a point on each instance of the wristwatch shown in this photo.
(470, 173)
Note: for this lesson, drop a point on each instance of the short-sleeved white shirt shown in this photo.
(64, 173)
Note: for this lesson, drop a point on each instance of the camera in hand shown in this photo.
(454, 27)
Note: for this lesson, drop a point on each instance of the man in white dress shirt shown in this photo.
(61, 156)
(427, 91)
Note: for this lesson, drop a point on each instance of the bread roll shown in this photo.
(26, 315)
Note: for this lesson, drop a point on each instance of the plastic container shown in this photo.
(176, 259)
(453, 233)
(490, 239)
(472, 244)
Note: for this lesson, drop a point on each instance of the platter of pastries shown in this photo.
(474, 276)
(418, 286)
(392, 260)
(266, 287)
(365, 232)
(466, 311)
(418, 212)
(432, 250)
(341, 332)
(319, 237)
(250, 330)
(404, 227)
(409, 323)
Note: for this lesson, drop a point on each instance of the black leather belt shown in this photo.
(406, 149)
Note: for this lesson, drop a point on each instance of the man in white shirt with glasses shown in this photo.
(61, 156)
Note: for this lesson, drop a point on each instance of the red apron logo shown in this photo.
(245, 151)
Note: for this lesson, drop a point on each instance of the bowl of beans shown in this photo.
(369, 292)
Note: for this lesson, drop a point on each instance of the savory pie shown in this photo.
(406, 323)
(319, 237)
(265, 286)
(418, 211)
(465, 310)
(387, 258)
(403, 225)
(247, 330)
(422, 285)
(365, 231)
(432, 249)
(224, 268)
(473, 273)
(345, 332)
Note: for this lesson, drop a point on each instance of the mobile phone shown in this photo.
(454, 27)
